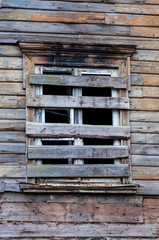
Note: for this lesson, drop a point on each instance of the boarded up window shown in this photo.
(75, 131)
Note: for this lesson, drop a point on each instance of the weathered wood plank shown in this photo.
(51, 16)
(151, 32)
(17, 114)
(60, 6)
(143, 116)
(10, 63)
(144, 55)
(9, 50)
(131, 19)
(144, 67)
(12, 148)
(82, 131)
(137, 91)
(12, 171)
(145, 127)
(148, 104)
(71, 198)
(72, 212)
(12, 125)
(11, 89)
(49, 101)
(148, 187)
(12, 102)
(145, 173)
(78, 230)
(144, 149)
(144, 80)
(78, 171)
(137, 9)
(12, 136)
(55, 152)
(13, 159)
(64, 28)
(78, 81)
(144, 138)
(143, 160)
(10, 75)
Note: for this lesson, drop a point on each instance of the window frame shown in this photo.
(112, 59)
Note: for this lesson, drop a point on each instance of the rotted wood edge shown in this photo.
(80, 188)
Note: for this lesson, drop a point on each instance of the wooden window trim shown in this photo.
(79, 56)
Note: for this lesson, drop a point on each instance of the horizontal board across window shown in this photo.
(79, 81)
(34, 129)
(75, 152)
(47, 101)
(78, 171)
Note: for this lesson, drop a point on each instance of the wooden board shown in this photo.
(43, 27)
(143, 116)
(11, 89)
(146, 187)
(144, 80)
(78, 81)
(72, 212)
(12, 171)
(137, 9)
(49, 101)
(145, 67)
(10, 63)
(86, 152)
(78, 170)
(144, 160)
(148, 104)
(13, 159)
(10, 75)
(12, 148)
(12, 102)
(12, 136)
(49, 229)
(60, 6)
(9, 50)
(144, 138)
(12, 125)
(52, 16)
(144, 127)
(17, 114)
(81, 131)
(145, 173)
(144, 149)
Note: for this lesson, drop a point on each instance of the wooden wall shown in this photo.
(47, 216)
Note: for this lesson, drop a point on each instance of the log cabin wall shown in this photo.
(80, 216)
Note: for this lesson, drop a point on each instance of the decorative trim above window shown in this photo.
(59, 79)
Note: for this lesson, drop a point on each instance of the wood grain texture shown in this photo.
(144, 149)
(10, 63)
(60, 5)
(144, 80)
(78, 230)
(12, 102)
(144, 67)
(12, 171)
(17, 114)
(151, 32)
(57, 152)
(78, 81)
(12, 125)
(148, 187)
(144, 116)
(52, 16)
(72, 212)
(142, 9)
(145, 173)
(148, 104)
(12, 136)
(145, 127)
(144, 160)
(12, 159)
(12, 148)
(10, 50)
(11, 89)
(77, 170)
(10, 75)
(43, 27)
(82, 131)
(144, 138)
(49, 101)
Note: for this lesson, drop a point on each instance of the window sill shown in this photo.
(80, 188)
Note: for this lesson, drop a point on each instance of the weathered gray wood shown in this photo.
(144, 138)
(147, 104)
(145, 173)
(83, 131)
(10, 63)
(12, 158)
(64, 28)
(12, 125)
(61, 6)
(140, 92)
(78, 81)
(86, 152)
(66, 212)
(12, 136)
(143, 160)
(16, 114)
(10, 75)
(11, 89)
(12, 102)
(143, 116)
(150, 187)
(9, 50)
(78, 170)
(49, 229)
(49, 101)
(145, 80)
(144, 149)
(145, 127)
(12, 171)
(12, 148)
